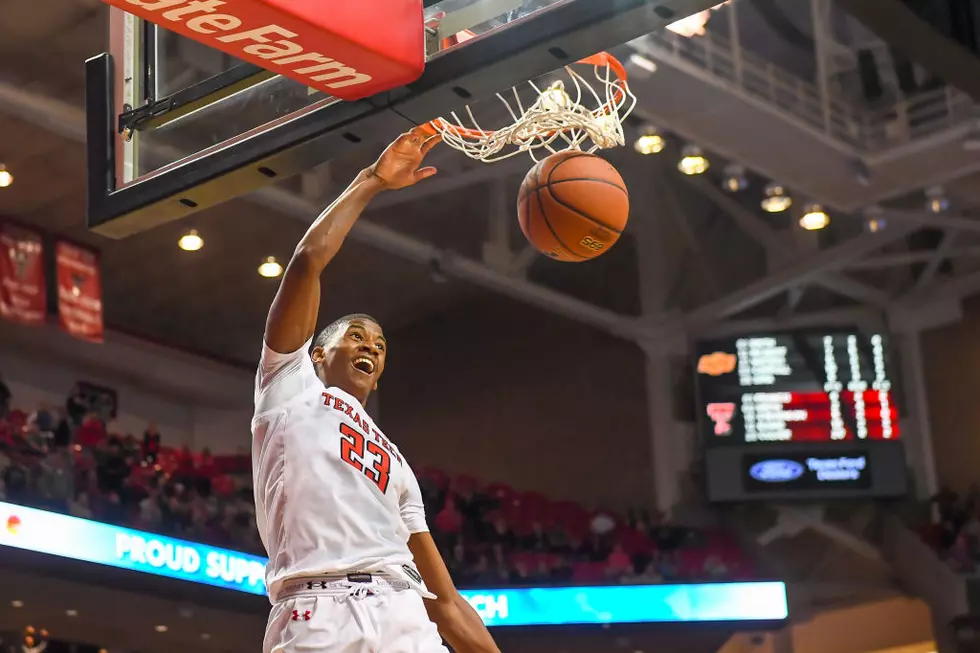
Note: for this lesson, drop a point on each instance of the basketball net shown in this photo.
(559, 119)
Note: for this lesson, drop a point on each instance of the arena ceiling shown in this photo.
(693, 254)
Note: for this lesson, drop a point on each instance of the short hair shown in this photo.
(325, 337)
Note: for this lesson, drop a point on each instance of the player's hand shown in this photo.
(399, 165)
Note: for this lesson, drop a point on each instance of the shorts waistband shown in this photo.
(357, 584)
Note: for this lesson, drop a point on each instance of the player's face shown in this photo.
(354, 361)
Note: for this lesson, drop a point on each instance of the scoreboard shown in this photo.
(810, 387)
(803, 414)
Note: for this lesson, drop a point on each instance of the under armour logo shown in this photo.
(297, 615)
(321, 584)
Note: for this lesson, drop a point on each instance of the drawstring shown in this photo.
(359, 592)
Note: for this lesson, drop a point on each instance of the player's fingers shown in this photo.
(430, 143)
(425, 173)
(411, 137)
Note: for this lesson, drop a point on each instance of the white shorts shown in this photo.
(371, 618)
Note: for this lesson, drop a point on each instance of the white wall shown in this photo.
(191, 399)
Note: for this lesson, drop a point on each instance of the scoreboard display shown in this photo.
(797, 387)
(804, 414)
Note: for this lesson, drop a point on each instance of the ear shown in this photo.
(318, 354)
(375, 387)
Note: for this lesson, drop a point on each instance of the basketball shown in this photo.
(573, 206)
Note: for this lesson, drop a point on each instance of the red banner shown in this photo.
(79, 291)
(23, 297)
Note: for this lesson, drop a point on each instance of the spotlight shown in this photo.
(191, 241)
(5, 177)
(160, 629)
(17, 603)
(270, 268)
(735, 179)
(776, 199)
(693, 161)
(936, 200)
(649, 142)
(814, 218)
(71, 613)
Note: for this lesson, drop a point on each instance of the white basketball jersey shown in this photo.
(332, 493)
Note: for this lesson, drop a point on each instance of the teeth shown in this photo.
(368, 363)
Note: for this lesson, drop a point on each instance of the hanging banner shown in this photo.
(79, 291)
(22, 291)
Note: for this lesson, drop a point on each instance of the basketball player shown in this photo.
(338, 507)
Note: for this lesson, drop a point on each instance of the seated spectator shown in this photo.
(113, 469)
(91, 431)
(77, 406)
(449, 520)
(80, 506)
(62, 432)
(4, 399)
(151, 444)
(44, 418)
(16, 484)
(618, 563)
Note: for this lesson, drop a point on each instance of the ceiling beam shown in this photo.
(674, 211)
(932, 267)
(780, 247)
(910, 258)
(898, 25)
(857, 315)
(779, 281)
(925, 219)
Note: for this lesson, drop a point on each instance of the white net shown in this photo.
(559, 119)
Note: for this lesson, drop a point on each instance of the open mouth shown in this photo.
(363, 364)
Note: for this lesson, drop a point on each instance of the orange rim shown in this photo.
(598, 60)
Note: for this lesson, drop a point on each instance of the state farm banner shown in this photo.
(23, 296)
(79, 291)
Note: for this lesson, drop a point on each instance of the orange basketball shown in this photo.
(573, 206)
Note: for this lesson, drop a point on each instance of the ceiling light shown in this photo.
(191, 241)
(71, 613)
(205, 636)
(734, 179)
(814, 218)
(649, 142)
(936, 200)
(17, 603)
(160, 629)
(693, 161)
(874, 225)
(270, 268)
(776, 199)
(5, 177)
(874, 219)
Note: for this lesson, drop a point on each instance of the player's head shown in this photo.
(350, 354)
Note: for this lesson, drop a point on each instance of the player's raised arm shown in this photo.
(457, 621)
(292, 318)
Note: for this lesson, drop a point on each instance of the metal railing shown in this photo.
(865, 131)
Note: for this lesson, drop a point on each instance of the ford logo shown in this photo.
(776, 471)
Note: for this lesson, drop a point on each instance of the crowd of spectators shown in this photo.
(72, 459)
(954, 530)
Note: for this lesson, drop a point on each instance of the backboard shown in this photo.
(175, 126)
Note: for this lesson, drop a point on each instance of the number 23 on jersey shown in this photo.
(365, 456)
